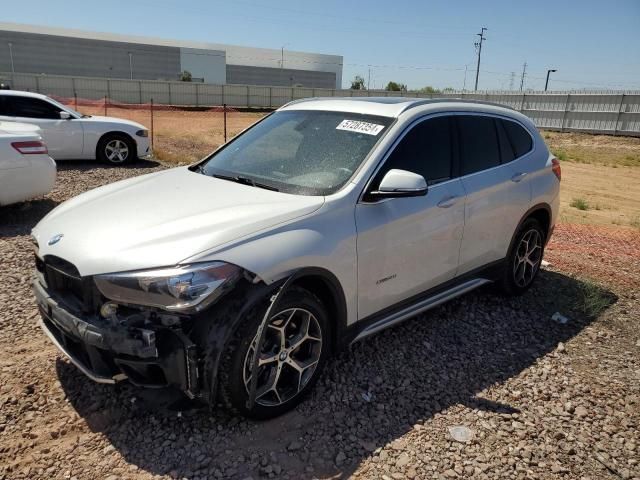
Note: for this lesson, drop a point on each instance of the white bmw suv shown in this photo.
(325, 222)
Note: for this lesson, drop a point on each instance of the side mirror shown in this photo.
(400, 183)
(65, 115)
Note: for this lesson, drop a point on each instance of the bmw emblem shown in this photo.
(55, 239)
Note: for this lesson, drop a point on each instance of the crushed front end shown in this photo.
(111, 340)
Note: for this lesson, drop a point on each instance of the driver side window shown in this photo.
(426, 150)
(32, 108)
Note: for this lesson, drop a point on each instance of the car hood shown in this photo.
(113, 121)
(161, 219)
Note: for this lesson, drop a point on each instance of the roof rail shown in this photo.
(427, 101)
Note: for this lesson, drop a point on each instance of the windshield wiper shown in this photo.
(245, 181)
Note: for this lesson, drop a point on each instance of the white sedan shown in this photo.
(26, 170)
(72, 135)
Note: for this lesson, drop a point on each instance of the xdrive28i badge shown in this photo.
(55, 239)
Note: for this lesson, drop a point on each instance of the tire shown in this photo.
(290, 384)
(116, 149)
(523, 262)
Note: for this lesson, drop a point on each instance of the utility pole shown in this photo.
(513, 77)
(282, 58)
(369, 80)
(11, 56)
(524, 72)
(130, 66)
(464, 83)
(546, 84)
(479, 45)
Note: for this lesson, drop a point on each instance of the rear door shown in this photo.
(64, 138)
(494, 189)
(406, 246)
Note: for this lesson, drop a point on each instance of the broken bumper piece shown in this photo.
(108, 352)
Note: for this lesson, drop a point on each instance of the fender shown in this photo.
(539, 206)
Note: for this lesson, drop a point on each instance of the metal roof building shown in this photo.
(58, 51)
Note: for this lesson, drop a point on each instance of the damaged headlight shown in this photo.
(189, 287)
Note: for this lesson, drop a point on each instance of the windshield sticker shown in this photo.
(360, 127)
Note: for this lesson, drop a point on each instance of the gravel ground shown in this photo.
(536, 398)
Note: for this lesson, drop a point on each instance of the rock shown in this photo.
(340, 458)
(581, 412)
(403, 460)
(294, 446)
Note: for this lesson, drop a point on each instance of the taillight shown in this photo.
(30, 148)
(555, 168)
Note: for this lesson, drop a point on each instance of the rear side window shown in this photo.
(426, 150)
(506, 150)
(478, 142)
(519, 137)
(3, 108)
(31, 108)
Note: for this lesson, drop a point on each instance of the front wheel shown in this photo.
(525, 257)
(116, 149)
(294, 350)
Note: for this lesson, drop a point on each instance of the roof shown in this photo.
(383, 106)
(22, 93)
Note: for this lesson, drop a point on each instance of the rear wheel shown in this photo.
(293, 352)
(116, 148)
(523, 262)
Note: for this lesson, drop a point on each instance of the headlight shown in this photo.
(189, 287)
(142, 133)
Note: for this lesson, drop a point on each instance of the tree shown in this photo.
(396, 87)
(357, 83)
(429, 89)
(185, 76)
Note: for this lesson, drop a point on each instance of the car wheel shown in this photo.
(525, 257)
(116, 149)
(294, 350)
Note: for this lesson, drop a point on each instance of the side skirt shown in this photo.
(420, 306)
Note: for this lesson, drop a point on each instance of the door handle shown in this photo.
(518, 176)
(448, 201)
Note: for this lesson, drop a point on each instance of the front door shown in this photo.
(64, 137)
(408, 245)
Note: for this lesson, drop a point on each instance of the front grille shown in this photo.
(64, 281)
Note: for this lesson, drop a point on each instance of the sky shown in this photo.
(592, 44)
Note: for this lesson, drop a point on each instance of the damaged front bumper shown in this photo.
(120, 347)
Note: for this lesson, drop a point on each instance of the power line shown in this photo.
(479, 45)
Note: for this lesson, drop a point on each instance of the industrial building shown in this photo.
(58, 51)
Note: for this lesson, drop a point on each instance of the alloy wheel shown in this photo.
(527, 259)
(288, 356)
(116, 151)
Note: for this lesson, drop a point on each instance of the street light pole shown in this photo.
(11, 56)
(546, 84)
(130, 66)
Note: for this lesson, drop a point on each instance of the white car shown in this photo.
(327, 221)
(26, 170)
(72, 135)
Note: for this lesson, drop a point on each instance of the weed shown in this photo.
(579, 203)
(561, 155)
(592, 299)
(635, 221)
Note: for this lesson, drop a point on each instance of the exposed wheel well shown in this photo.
(542, 215)
(330, 293)
(116, 132)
